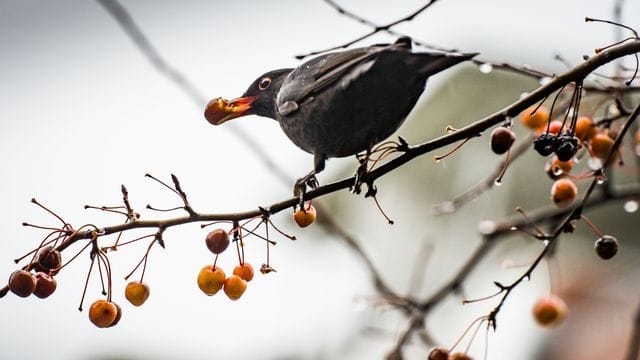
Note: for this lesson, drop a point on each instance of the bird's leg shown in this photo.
(310, 180)
(361, 171)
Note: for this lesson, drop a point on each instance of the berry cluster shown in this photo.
(42, 283)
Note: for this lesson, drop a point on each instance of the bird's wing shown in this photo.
(318, 73)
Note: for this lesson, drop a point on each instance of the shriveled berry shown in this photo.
(550, 311)
(22, 283)
(245, 271)
(305, 217)
(438, 354)
(217, 241)
(103, 313)
(45, 285)
(566, 146)
(137, 292)
(606, 247)
(545, 144)
(501, 140)
(48, 260)
(211, 280)
(585, 128)
(601, 145)
(537, 120)
(563, 192)
(234, 287)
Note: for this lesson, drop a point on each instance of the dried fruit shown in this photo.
(103, 313)
(606, 247)
(563, 192)
(501, 140)
(217, 241)
(48, 260)
(305, 217)
(245, 271)
(234, 287)
(22, 283)
(45, 285)
(550, 311)
(545, 144)
(566, 146)
(136, 292)
(211, 280)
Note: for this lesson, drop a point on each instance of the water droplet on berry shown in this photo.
(595, 163)
(631, 206)
(486, 227)
(485, 68)
(557, 171)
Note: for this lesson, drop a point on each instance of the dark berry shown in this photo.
(438, 354)
(567, 146)
(606, 247)
(22, 283)
(501, 140)
(48, 260)
(45, 285)
(545, 144)
(217, 241)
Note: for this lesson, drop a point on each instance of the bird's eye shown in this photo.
(264, 83)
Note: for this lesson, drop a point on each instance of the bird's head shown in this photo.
(259, 99)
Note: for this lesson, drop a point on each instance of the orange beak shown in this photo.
(219, 110)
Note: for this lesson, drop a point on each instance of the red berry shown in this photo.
(136, 292)
(48, 260)
(438, 354)
(211, 280)
(550, 311)
(217, 241)
(45, 285)
(22, 283)
(501, 140)
(305, 217)
(563, 192)
(234, 287)
(103, 313)
(245, 271)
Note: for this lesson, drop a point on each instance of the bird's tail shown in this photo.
(431, 63)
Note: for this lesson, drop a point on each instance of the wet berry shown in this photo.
(556, 168)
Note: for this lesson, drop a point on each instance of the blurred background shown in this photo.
(83, 111)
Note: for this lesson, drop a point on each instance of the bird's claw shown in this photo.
(360, 173)
(301, 185)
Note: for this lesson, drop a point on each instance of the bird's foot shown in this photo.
(360, 173)
(300, 187)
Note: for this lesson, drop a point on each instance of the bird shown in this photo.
(341, 103)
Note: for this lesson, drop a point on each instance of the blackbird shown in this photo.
(341, 103)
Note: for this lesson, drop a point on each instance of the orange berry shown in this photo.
(211, 280)
(556, 168)
(245, 271)
(305, 217)
(550, 311)
(563, 192)
(118, 315)
(22, 283)
(438, 354)
(536, 120)
(600, 145)
(585, 128)
(136, 292)
(217, 241)
(45, 285)
(234, 287)
(103, 313)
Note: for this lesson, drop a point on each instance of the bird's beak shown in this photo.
(219, 110)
